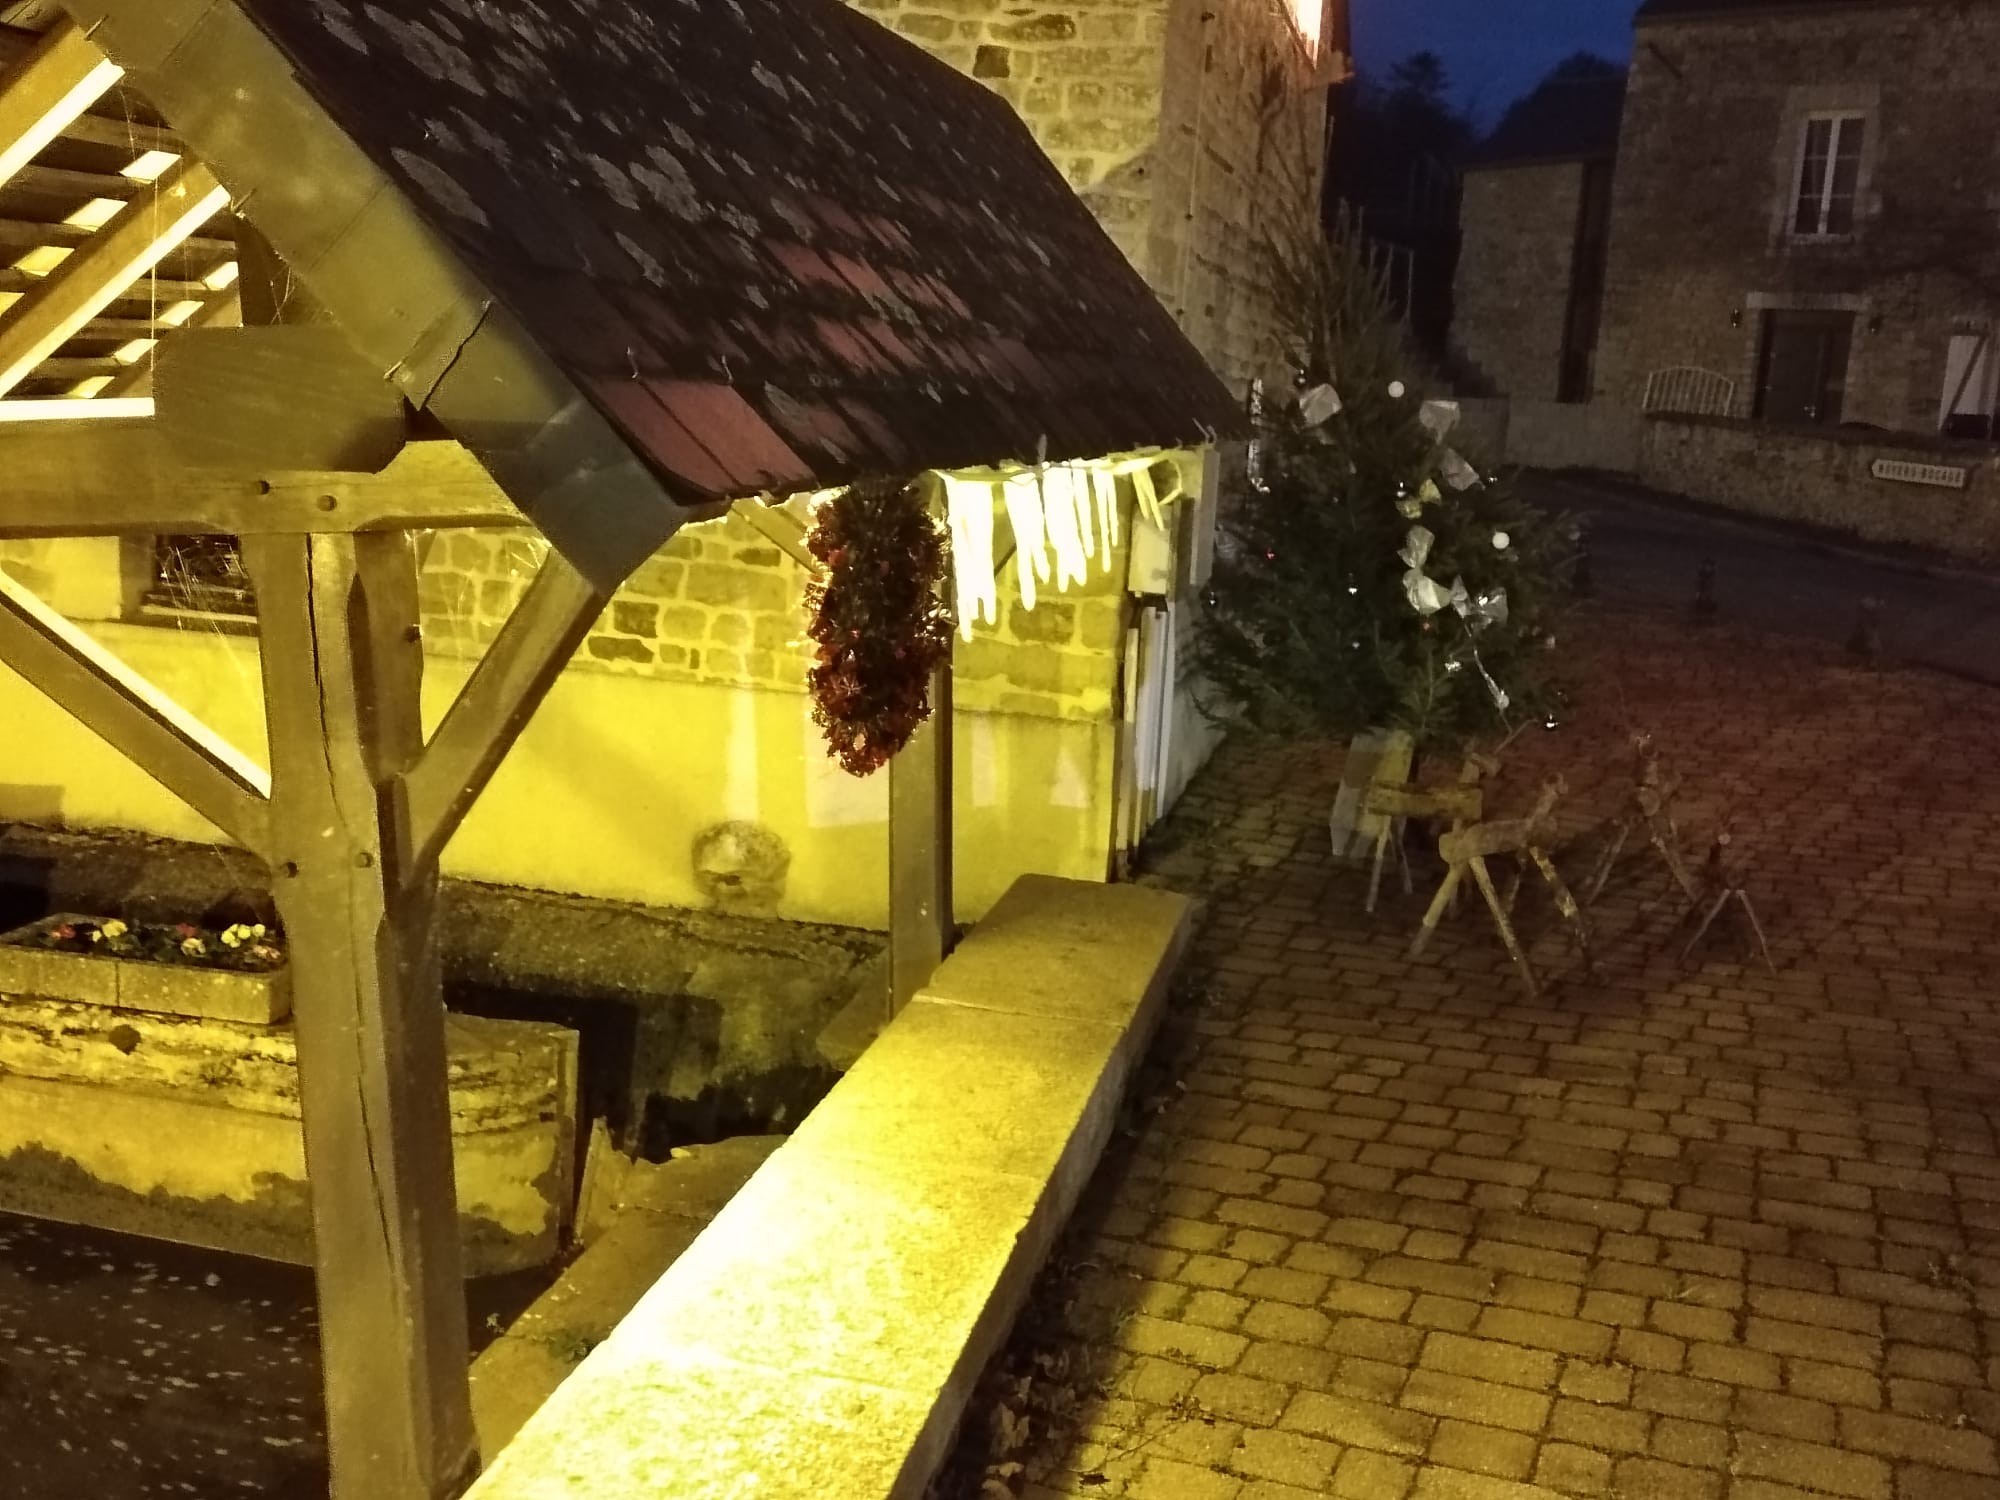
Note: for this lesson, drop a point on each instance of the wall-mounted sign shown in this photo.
(1901, 471)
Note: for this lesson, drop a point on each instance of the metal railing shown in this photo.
(1690, 391)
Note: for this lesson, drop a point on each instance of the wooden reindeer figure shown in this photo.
(1525, 839)
(1463, 803)
(1723, 880)
(1650, 808)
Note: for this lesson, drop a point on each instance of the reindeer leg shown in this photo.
(1706, 922)
(1566, 904)
(1443, 899)
(1375, 867)
(1403, 859)
(1605, 862)
(1763, 948)
(1513, 944)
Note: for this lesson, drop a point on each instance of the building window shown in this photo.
(1971, 375)
(201, 576)
(1802, 370)
(1829, 176)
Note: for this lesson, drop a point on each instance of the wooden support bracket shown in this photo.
(505, 689)
(780, 529)
(125, 710)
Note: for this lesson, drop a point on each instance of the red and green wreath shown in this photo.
(878, 618)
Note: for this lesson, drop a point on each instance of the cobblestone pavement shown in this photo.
(1675, 1233)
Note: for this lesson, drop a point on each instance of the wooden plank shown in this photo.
(505, 689)
(253, 398)
(920, 851)
(134, 717)
(164, 214)
(52, 86)
(343, 669)
(104, 478)
(65, 185)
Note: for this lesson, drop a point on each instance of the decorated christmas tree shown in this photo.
(1369, 576)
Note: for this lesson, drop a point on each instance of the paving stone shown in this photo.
(1721, 1234)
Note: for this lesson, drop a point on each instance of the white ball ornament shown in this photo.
(1398, 389)
(1502, 541)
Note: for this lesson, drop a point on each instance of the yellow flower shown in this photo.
(114, 929)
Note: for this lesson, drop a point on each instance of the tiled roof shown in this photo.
(1560, 121)
(776, 244)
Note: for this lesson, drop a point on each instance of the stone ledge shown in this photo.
(819, 1340)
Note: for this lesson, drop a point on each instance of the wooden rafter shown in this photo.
(162, 216)
(53, 86)
(136, 718)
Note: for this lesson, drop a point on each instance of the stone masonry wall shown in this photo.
(1237, 168)
(1707, 170)
(1514, 273)
(1190, 128)
(1825, 480)
(721, 604)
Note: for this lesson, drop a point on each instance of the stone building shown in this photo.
(1803, 222)
(1535, 216)
(1190, 129)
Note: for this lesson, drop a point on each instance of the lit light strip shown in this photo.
(76, 409)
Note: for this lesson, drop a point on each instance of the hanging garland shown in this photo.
(877, 616)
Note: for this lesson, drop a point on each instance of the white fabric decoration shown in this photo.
(1438, 417)
(1023, 494)
(1459, 474)
(969, 509)
(1318, 405)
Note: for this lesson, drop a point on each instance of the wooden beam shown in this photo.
(164, 214)
(220, 310)
(45, 95)
(509, 684)
(104, 478)
(64, 184)
(921, 926)
(249, 398)
(343, 672)
(131, 715)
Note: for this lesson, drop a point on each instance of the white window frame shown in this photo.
(1839, 120)
(1981, 397)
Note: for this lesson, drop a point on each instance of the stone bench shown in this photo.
(820, 1339)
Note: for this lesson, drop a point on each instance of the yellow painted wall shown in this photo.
(608, 788)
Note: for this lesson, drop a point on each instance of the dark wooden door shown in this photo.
(1804, 368)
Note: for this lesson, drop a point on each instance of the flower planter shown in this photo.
(168, 989)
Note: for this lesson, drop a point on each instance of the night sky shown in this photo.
(1496, 50)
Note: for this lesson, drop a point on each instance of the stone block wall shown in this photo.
(1514, 275)
(1192, 129)
(722, 605)
(1707, 171)
(1825, 480)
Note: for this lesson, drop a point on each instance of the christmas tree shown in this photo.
(1369, 576)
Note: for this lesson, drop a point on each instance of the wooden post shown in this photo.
(343, 667)
(920, 899)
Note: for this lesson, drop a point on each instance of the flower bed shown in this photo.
(237, 973)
